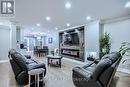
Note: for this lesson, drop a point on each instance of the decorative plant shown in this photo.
(125, 47)
(105, 44)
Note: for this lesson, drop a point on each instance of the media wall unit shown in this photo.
(71, 43)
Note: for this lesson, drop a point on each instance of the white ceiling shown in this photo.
(30, 12)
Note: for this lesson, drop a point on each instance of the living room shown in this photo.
(63, 43)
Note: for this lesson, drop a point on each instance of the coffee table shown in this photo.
(54, 57)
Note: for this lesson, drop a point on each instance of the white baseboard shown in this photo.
(124, 70)
(4, 61)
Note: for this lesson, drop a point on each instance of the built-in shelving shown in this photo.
(71, 43)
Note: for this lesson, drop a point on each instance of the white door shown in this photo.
(4, 43)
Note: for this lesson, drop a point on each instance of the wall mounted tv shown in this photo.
(71, 39)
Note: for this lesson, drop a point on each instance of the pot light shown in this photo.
(127, 5)
(68, 5)
(48, 18)
(56, 28)
(67, 24)
(48, 31)
(38, 24)
(88, 18)
(1, 23)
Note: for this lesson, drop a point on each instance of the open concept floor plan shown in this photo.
(64, 43)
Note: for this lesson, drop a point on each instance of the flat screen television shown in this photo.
(71, 39)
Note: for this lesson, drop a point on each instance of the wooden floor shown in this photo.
(57, 77)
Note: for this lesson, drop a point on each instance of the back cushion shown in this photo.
(101, 66)
(12, 51)
(20, 60)
(112, 56)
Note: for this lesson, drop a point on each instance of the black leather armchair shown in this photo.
(97, 74)
(21, 65)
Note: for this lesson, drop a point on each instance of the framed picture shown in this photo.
(50, 40)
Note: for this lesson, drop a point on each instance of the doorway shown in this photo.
(29, 43)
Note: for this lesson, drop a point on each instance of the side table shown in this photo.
(36, 73)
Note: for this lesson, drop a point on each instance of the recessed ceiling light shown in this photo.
(48, 18)
(32, 28)
(68, 5)
(127, 5)
(38, 24)
(1, 23)
(48, 31)
(88, 18)
(56, 28)
(67, 24)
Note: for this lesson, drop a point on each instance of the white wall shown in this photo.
(119, 32)
(4, 42)
(7, 38)
(55, 43)
(92, 35)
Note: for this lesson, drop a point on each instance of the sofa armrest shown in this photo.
(35, 66)
(81, 73)
(96, 61)
(28, 56)
(88, 65)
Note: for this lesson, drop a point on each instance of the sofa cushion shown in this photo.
(29, 61)
(112, 56)
(91, 68)
(20, 60)
(25, 59)
(28, 56)
(12, 51)
(35, 66)
(101, 66)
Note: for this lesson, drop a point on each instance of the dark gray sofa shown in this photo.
(21, 64)
(97, 74)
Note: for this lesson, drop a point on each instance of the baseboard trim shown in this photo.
(123, 70)
(4, 61)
